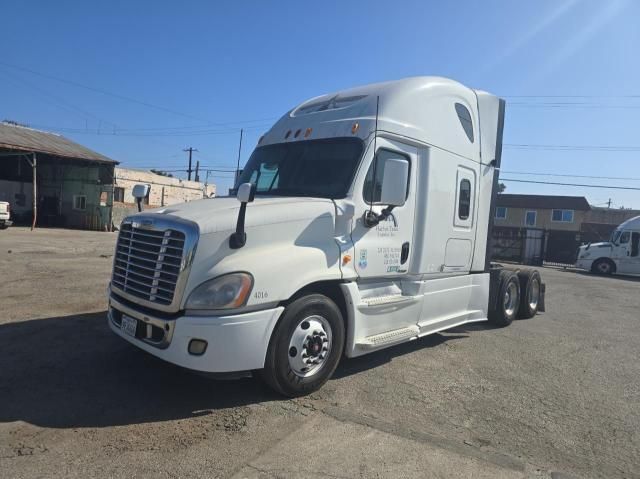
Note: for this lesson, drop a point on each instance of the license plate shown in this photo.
(129, 325)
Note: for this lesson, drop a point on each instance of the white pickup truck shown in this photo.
(363, 222)
(621, 254)
(5, 215)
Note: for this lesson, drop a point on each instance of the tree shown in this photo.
(161, 173)
(501, 187)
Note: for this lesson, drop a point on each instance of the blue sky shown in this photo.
(569, 70)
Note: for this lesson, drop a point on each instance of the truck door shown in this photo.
(384, 250)
(629, 259)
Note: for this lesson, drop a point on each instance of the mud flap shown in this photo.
(543, 288)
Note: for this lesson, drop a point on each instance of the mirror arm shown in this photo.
(371, 218)
(139, 202)
(239, 238)
(384, 214)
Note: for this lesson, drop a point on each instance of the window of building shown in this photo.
(464, 201)
(118, 194)
(79, 202)
(501, 213)
(369, 189)
(562, 216)
(465, 120)
(530, 218)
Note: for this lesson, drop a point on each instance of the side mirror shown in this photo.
(394, 183)
(140, 191)
(246, 193)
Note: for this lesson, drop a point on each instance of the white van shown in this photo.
(361, 221)
(621, 254)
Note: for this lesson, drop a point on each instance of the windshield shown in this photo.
(615, 236)
(320, 168)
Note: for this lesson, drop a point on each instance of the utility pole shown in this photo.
(238, 164)
(33, 164)
(197, 177)
(190, 150)
(609, 204)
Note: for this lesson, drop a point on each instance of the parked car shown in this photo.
(5, 215)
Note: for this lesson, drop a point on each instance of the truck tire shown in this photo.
(603, 266)
(305, 347)
(507, 302)
(531, 290)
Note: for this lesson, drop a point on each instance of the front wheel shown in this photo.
(305, 347)
(603, 266)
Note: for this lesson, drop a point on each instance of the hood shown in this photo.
(590, 246)
(220, 214)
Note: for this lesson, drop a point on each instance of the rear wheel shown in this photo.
(305, 347)
(530, 289)
(603, 266)
(507, 303)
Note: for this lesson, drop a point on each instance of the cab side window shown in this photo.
(373, 190)
(624, 237)
(635, 244)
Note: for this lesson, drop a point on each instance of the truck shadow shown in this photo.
(66, 372)
(71, 371)
(347, 367)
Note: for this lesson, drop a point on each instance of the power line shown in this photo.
(571, 105)
(572, 184)
(570, 176)
(121, 97)
(126, 132)
(572, 96)
(608, 148)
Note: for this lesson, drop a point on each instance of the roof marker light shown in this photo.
(354, 128)
(297, 133)
(307, 132)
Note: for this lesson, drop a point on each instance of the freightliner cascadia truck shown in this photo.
(361, 221)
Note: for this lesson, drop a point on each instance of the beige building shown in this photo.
(564, 213)
(164, 190)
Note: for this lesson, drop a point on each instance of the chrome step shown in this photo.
(389, 337)
(383, 300)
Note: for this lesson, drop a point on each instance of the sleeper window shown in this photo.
(465, 120)
(464, 202)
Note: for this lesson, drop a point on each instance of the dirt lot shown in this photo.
(557, 396)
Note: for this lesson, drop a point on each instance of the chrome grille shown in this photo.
(148, 263)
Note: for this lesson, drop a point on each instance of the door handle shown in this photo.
(404, 255)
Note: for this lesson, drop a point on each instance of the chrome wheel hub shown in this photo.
(511, 299)
(534, 294)
(309, 346)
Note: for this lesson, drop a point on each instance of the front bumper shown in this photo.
(584, 264)
(234, 343)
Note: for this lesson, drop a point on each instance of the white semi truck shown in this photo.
(621, 254)
(363, 222)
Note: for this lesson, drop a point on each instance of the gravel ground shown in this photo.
(557, 396)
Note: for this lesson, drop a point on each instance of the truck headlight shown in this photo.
(225, 292)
